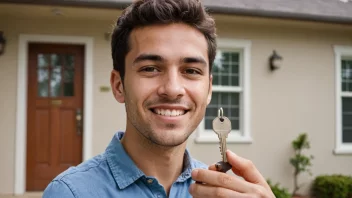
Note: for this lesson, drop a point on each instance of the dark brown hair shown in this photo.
(149, 12)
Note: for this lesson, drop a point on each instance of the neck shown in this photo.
(163, 163)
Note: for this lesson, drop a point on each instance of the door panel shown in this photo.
(55, 101)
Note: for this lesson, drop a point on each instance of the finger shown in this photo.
(212, 167)
(244, 168)
(223, 180)
(201, 190)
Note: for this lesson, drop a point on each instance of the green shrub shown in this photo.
(278, 191)
(332, 186)
(300, 161)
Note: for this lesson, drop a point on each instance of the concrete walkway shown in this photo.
(26, 195)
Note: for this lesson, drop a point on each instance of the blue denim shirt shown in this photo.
(114, 174)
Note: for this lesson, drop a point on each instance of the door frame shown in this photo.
(21, 113)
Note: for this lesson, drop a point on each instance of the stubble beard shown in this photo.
(157, 138)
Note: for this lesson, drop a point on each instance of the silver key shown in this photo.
(222, 127)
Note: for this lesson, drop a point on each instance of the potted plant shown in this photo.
(300, 162)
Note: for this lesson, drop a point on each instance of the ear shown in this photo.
(117, 86)
(210, 88)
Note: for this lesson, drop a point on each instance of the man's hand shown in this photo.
(217, 184)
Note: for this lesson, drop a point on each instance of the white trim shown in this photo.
(217, 88)
(346, 94)
(21, 114)
(340, 147)
(207, 136)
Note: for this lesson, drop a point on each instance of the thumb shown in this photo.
(244, 168)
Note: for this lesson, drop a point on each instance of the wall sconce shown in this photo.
(275, 61)
(2, 43)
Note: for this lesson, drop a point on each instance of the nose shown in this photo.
(171, 86)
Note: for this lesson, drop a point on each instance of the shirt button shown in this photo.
(150, 181)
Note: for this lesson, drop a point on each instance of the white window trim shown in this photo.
(203, 136)
(340, 147)
(21, 117)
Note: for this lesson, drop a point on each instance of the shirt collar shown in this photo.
(124, 170)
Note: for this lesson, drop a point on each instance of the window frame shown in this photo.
(341, 52)
(236, 136)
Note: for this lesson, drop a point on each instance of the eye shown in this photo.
(192, 71)
(149, 69)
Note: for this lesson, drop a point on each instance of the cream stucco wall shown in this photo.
(296, 98)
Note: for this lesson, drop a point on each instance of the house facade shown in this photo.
(57, 108)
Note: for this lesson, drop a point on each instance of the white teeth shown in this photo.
(173, 113)
(169, 112)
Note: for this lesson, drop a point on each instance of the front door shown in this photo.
(54, 113)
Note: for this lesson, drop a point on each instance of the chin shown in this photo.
(169, 138)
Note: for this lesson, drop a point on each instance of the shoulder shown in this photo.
(84, 170)
(58, 189)
(70, 182)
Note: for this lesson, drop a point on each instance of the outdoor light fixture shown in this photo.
(275, 61)
(2, 43)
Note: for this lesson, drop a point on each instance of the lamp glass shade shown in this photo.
(277, 63)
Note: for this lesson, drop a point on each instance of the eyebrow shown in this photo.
(197, 59)
(150, 57)
(158, 58)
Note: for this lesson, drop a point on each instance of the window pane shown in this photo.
(234, 80)
(69, 61)
(347, 136)
(68, 89)
(347, 120)
(43, 60)
(230, 104)
(226, 68)
(346, 105)
(212, 111)
(55, 82)
(69, 75)
(215, 98)
(235, 124)
(226, 57)
(56, 60)
(346, 75)
(216, 80)
(235, 57)
(43, 82)
(344, 86)
(209, 124)
(235, 112)
(69, 82)
(225, 80)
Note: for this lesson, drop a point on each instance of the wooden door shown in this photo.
(54, 116)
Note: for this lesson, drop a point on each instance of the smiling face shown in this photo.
(167, 85)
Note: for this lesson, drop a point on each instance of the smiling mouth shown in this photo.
(169, 112)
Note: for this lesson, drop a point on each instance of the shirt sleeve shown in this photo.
(58, 189)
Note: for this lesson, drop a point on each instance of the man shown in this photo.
(162, 54)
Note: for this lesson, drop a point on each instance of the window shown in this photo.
(343, 63)
(230, 91)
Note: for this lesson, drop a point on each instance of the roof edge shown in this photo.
(211, 9)
(279, 15)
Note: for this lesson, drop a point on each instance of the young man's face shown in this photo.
(167, 85)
